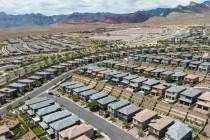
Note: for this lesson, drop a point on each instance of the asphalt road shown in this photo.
(112, 131)
(37, 91)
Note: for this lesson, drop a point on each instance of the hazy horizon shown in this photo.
(57, 7)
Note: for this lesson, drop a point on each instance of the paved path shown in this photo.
(109, 129)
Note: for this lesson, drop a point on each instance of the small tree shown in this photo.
(179, 82)
(141, 132)
(168, 79)
(9, 107)
(93, 105)
(126, 125)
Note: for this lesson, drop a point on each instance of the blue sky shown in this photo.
(54, 7)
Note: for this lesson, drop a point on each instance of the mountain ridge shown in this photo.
(7, 20)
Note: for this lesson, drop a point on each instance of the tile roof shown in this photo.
(145, 115)
(161, 123)
(118, 104)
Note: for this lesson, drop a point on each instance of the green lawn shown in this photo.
(37, 131)
(18, 129)
(44, 138)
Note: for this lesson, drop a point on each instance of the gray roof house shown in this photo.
(9, 92)
(109, 75)
(35, 77)
(184, 63)
(118, 77)
(178, 76)
(56, 116)
(166, 73)
(18, 86)
(194, 64)
(35, 107)
(77, 91)
(166, 61)
(147, 85)
(103, 103)
(173, 93)
(85, 95)
(36, 100)
(43, 74)
(52, 71)
(178, 131)
(126, 113)
(64, 124)
(70, 88)
(126, 80)
(98, 96)
(28, 82)
(48, 110)
(204, 67)
(68, 83)
(157, 72)
(113, 107)
(189, 97)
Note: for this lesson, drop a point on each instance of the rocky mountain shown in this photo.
(159, 14)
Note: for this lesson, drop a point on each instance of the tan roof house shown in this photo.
(76, 132)
(191, 78)
(159, 127)
(143, 118)
(203, 103)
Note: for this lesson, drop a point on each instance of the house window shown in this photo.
(205, 108)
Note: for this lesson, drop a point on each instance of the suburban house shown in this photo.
(77, 131)
(139, 70)
(45, 75)
(203, 102)
(196, 58)
(69, 89)
(61, 125)
(178, 131)
(191, 79)
(148, 71)
(110, 74)
(166, 73)
(103, 103)
(187, 56)
(59, 68)
(77, 91)
(19, 87)
(65, 84)
(143, 118)
(135, 84)
(98, 96)
(166, 61)
(28, 82)
(178, 76)
(48, 110)
(159, 90)
(2, 99)
(176, 62)
(85, 95)
(189, 97)
(9, 92)
(35, 107)
(52, 71)
(173, 93)
(113, 107)
(36, 78)
(158, 127)
(157, 60)
(157, 72)
(194, 65)
(126, 80)
(118, 77)
(204, 67)
(149, 59)
(147, 85)
(131, 67)
(126, 113)
(5, 132)
(184, 63)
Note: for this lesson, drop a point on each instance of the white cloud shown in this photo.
(52, 7)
